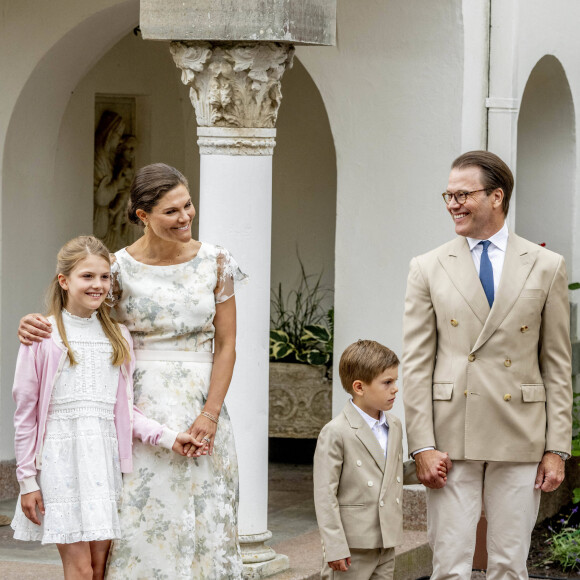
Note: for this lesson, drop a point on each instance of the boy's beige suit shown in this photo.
(358, 494)
(488, 385)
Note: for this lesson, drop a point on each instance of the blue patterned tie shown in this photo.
(486, 273)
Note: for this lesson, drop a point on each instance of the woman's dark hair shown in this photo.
(151, 183)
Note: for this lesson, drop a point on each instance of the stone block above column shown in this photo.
(293, 21)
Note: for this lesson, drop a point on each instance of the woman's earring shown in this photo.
(145, 228)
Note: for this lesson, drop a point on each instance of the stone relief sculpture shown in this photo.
(113, 173)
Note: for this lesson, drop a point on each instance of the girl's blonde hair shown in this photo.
(67, 260)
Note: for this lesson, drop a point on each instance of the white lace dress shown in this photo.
(178, 515)
(80, 479)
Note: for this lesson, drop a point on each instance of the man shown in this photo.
(487, 375)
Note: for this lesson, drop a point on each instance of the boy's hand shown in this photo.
(340, 565)
(185, 444)
(29, 501)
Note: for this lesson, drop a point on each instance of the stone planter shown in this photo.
(300, 400)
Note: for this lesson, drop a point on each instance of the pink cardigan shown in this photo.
(37, 369)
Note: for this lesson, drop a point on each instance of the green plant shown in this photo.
(564, 545)
(302, 330)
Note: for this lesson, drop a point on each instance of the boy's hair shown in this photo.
(364, 360)
(67, 259)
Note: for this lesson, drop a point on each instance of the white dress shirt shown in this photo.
(379, 427)
(495, 251)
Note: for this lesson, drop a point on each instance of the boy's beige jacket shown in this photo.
(488, 385)
(358, 495)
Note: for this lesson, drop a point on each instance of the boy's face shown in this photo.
(379, 394)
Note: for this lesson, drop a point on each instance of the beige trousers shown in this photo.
(373, 564)
(511, 508)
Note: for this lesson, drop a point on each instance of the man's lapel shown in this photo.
(516, 269)
(365, 435)
(459, 265)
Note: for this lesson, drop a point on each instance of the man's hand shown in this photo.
(340, 565)
(29, 501)
(33, 328)
(551, 472)
(430, 470)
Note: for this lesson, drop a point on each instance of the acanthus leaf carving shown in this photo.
(233, 84)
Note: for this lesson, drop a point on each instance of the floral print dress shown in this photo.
(178, 515)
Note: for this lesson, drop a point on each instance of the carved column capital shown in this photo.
(233, 84)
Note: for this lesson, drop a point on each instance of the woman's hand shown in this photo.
(33, 328)
(186, 445)
(29, 501)
(204, 430)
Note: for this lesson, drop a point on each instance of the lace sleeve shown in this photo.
(116, 289)
(229, 277)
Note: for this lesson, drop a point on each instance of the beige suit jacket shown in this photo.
(488, 385)
(358, 494)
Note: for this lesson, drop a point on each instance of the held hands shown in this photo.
(340, 565)
(551, 472)
(204, 430)
(29, 501)
(432, 468)
(186, 445)
(33, 328)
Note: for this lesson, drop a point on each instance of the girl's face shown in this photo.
(87, 285)
(171, 218)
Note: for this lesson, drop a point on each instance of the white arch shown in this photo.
(546, 158)
(32, 220)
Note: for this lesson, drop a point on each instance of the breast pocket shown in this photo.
(442, 391)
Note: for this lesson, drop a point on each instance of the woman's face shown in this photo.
(171, 218)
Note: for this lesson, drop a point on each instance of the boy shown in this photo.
(358, 470)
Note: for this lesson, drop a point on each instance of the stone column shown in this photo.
(235, 89)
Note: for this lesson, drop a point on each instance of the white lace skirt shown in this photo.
(80, 483)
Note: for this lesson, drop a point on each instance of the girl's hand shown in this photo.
(29, 501)
(185, 444)
(204, 430)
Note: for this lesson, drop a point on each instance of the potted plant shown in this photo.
(301, 343)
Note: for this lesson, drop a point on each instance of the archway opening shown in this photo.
(546, 159)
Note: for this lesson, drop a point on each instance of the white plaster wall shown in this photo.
(304, 185)
(393, 91)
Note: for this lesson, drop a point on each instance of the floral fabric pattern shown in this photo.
(178, 515)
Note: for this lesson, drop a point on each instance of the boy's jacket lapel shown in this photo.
(365, 435)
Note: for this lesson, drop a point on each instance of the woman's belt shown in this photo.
(173, 356)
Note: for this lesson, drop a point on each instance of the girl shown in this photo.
(75, 417)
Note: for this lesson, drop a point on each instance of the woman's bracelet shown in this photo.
(210, 417)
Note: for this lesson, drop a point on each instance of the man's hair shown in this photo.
(495, 173)
(364, 361)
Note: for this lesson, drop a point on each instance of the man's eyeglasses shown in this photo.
(460, 197)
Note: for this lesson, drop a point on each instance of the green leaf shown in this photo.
(279, 336)
(576, 495)
(281, 350)
(574, 286)
(315, 357)
(316, 332)
(302, 356)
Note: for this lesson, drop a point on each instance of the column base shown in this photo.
(260, 560)
(265, 569)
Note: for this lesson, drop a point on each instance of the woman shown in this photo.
(176, 296)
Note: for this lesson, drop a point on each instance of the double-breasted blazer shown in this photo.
(487, 384)
(358, 494)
